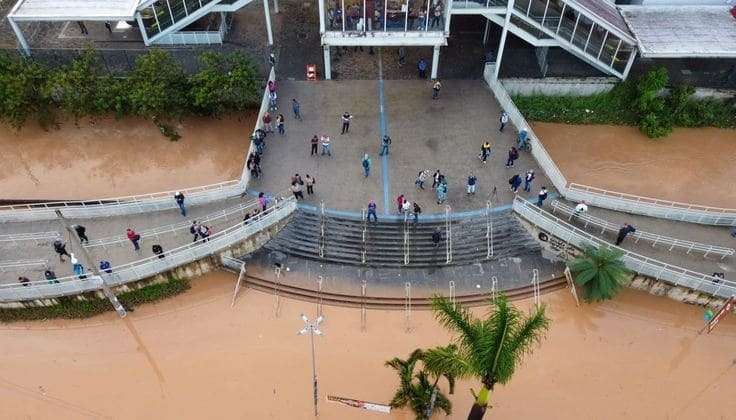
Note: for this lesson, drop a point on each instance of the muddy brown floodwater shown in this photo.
(691, 165)
(193, 356)
(112, 158)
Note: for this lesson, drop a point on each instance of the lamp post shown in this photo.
(312, 328)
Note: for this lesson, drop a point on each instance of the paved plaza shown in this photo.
(443, 134)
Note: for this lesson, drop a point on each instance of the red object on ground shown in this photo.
(733, 11)
(311, 72)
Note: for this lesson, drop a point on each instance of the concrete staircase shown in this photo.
(384, 245)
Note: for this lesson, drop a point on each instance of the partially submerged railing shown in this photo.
(635, 262)
(655, 239)
(151, 266)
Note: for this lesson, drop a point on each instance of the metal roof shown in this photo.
(604, 10)
(682, 31)
(49, 10)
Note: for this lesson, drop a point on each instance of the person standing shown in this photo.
(296, 189)
(310, 184)
(326, 146)
(400, 202)
(422, 67)
(267, 122)
(421, 177)
(280, 124)
(441, 192)
(108, 25)
(81, 232)
(346, 117)
(314, 142)
(417, 212)
(472, 180)
(402, 56)
(436, 237)
(204, 232)
(436, 89)
(296, 107)
(528, 178)
(542, 196)
(366, 163)
(105, 267)
(406, 207)
(513, 155)
(60, 248)
(77, 268)
(263, 201)
(503, 119)
(515, 182)
(372, 211)
(82, 27)
(436, 178)
(179, 197)
(194, 230)
(485, 151)
(385, 143)
(133, 238)
(298, 179)
(625, 230)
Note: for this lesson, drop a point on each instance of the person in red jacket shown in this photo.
(134, 238)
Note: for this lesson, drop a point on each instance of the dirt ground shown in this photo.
(692, 165)
(112, 158)
(193, 356)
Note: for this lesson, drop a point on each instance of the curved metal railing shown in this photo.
(150, 266)
(655, 239)
(641, 264)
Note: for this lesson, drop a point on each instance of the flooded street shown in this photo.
(193, 356)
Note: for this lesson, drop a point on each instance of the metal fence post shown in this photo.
(448, 233)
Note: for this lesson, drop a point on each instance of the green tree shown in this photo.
(600, 272)
(24, 92)
(654, 118)
(416, 391)
(76, 87)
(224, 83)
(157, 86)
(488, 349)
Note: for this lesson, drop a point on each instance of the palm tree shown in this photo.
(488, 349)
(600, 272)
(422, 396)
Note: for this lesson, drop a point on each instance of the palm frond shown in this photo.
(455, 318)
(447, 361)
(522, 337)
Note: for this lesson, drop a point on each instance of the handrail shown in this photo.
(538, 151)
(150, 266)
(13, 265)
(643, 265)
(647, 236)
(120, 205)
(170, 228)
(674, 210)
(31, 236)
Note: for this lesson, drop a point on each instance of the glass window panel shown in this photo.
(149, 22)
(162, 12)
(609, 49)
(583, 30)
(619, 64)
(552, 17)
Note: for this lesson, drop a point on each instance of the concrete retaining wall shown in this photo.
(187, 271)
(586, 86)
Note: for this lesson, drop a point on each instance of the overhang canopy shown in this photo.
(682, 31)
(68, 10)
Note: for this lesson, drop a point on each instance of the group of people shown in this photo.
(297, 183)
(352, 17)
(439, 183)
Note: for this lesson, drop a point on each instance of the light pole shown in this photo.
(312, 328)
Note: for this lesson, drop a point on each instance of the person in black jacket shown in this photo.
(81, 232)
(625, 230)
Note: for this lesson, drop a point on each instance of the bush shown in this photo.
(157, 86)
(226, 82)
(24, 92)
(634, 103)
(71, 308)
